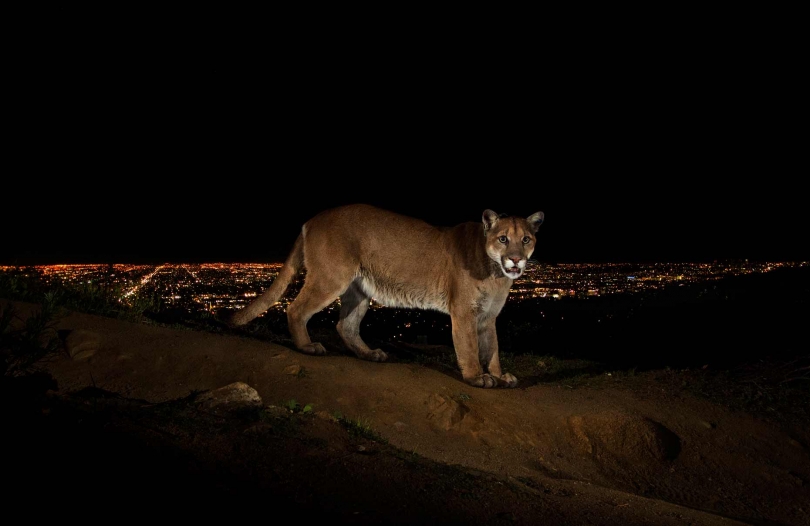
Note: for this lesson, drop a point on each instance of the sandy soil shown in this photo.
(450, 453)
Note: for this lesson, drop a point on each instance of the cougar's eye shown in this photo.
(502, 239)
(526, 240)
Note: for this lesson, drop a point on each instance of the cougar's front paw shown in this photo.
(508, 380)
(484, 380)
(374, 355)
(313, 348)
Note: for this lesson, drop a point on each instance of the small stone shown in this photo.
(275, 410)
(82, 344)
(293, 370)
(325, 415)
(795, 443)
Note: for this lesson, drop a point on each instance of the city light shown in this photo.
(215, 286)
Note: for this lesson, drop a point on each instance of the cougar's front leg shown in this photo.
(465, 342)
(488, 352)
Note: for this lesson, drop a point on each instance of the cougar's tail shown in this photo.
(291, 267)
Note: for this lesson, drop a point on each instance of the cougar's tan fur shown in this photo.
(360, 252)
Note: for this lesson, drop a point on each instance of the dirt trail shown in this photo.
(613, 445)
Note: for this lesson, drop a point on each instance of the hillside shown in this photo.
(127, 428)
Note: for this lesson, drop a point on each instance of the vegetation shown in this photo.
(360, 427)
(25, 343)
(92, 298)
(294, 407)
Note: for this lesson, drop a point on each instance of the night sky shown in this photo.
(176, 139)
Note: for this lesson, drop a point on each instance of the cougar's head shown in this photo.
(510, 240)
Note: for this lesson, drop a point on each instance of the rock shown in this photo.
(235, 396)
(445, 413)
(619, 436)
(81, 344)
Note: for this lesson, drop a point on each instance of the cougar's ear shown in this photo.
(489, 218)
(535, 220)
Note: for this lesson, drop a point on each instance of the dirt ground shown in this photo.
(120, 428)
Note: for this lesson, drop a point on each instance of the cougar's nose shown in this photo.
(516, 260)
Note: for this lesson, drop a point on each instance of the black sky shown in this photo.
(143, 139)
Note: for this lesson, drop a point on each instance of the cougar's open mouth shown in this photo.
(513, 272)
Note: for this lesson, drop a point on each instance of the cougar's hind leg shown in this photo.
(318, 292)
(354, 304)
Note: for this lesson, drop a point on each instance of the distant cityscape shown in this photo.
(212, 287)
